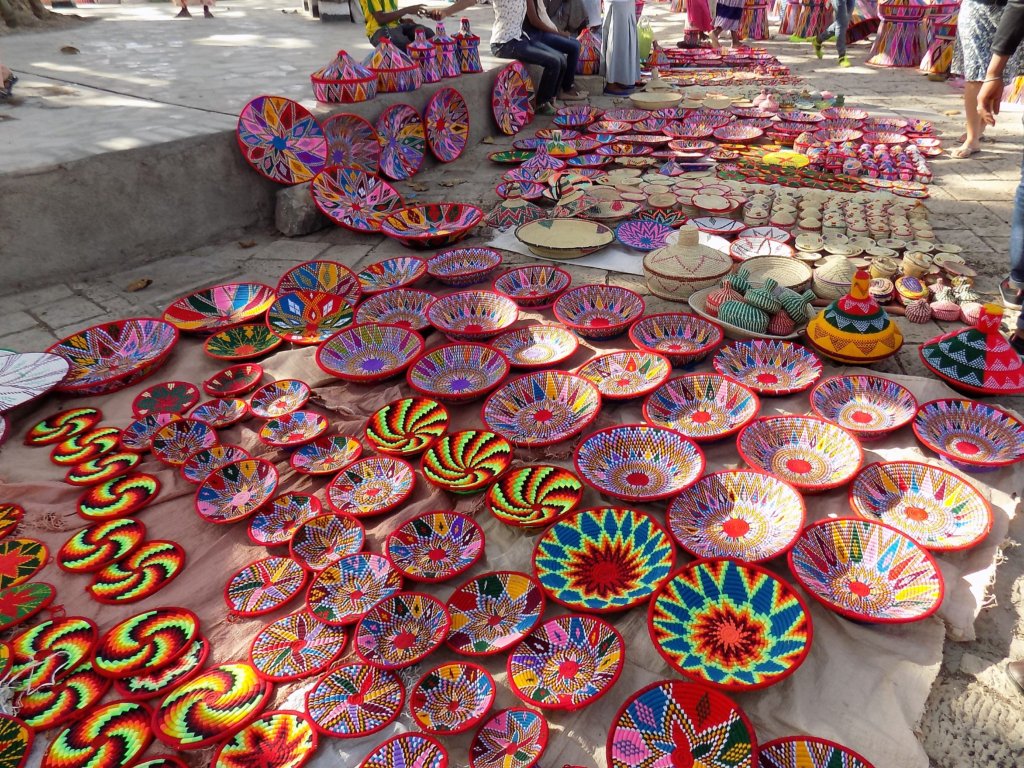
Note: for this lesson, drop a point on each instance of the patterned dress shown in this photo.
(728, 14)
(976, 27)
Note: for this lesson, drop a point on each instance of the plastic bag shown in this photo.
(645, 38)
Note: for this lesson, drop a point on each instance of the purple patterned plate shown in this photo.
(325, 455)
(354, 199)
(138, 436)
(221, 411)
(446, 120)
(175, 442)
(642, 234)
(281, 139)
(371, 486)
(403, 141)
(510, 100)
(399, 272)
(278, 398)
(352, 143)
(369, 353)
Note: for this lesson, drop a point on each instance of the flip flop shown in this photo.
(962, 153)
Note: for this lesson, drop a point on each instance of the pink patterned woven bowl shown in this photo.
(404, 307)
(738, 514)
(810, 453)
(702, 406)
(236, 490)
(457, 372)
(175, 442)
(463, 266)
(472, 315)
(293, 429)
(770, 368)
(867, 571)
(628, 374)
(598, 311)
(278, 398)
(371, 486)
(221, 306)
(534, 286)
(542, 408)
(369, 353)
(680, 337)
(936, 508)
(638, 462)
(433, 225)
(738, 134)
(398, 272)
(868, 406)
(537, 346)
(972, 436)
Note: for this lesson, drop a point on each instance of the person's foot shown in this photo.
(206, 12)
(844, 61)
(183, 14)
(817, 48)
(546, 109)
(614, 89)
(965, 150)
(574, 94)
(1013, 298)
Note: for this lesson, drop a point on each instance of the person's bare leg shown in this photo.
(206, 12)
(715, 42)
(183, 13)
(975, 126)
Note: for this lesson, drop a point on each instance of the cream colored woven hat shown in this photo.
(676, 271)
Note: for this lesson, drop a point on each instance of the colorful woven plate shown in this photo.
(512, 738)
(637, 462)
(235, 491)
(309, 317)
(52, 705)
(109, 736)
(20, 560)
(243, 342)
(737, 513)
(398, 272)
(233, 381)
(278, 521)
(808, 752)
(219, 307)
(10, 518)
(320, 276)
(294, 647)
(281, 139)
(23, 601)
(531, 497)
(61, 426)
(510, 100)
(435, 546)
(146, 642)
(325, 455)
(867, 571)
(15, 742)
(457, 372)
(702, 406)
(281, 739)
(50, 651)
(99, 545)
(263, 586)
(812, 454)
(472, 315)
(868, 406)
(24, 376)
(568, 662)
(542, 408)
(461, 267)
(85, 446)
(679, 723)
(174, 443)
(211, 707)
(371, 486)
(603, 559)
(403, 141)
(293, 429)
(114, 355)
(202, 464)
(643, 235)
(537, 346)
(533, 286)
(105, 467)
(400, 630)
(624, 375)
(731, 625)
(324, 540)
(407, 749)
(119, 497)
(278, 398)
(452, 698)
(352, 142)
(404, 307)
(972, 436)
(937, 509)
(354, 199)
(355, 700)
(432, 225)
(369, 353)
(493, 611)
(341, 593)
(770, 368)
(683, 338)
(144, 572)
(598, 311)
(407, 426)
(138, 436)
(168, 397)
(464, 462)
(148, 685)
(446, 120)
(160, 761)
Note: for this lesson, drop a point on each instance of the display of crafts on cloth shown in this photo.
(436, 510)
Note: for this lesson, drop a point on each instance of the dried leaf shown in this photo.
(246, 243)
(419, 187)
(487, 140)
(70, 50)
(951, 112)
(451, 182)
(138, 285)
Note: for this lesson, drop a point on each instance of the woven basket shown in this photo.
(676, 271)
(833, 279)
(785, 271)
(344, 81)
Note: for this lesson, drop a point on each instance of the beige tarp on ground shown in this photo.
(864, 686)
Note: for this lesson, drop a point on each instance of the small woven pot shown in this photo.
(744, 316)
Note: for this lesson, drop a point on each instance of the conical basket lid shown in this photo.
(387, 57)
(977, 358)
(343, 68)
(854, 328)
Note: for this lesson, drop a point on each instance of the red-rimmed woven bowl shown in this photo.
(325, 455)
(293, 429)
(233, 381)
(627, 374)
(938, 509)
(404, 307)
(400, 630)
(537, 346)
(221, 412)
(175, 442)
(220, 306)
(435, 546)
(534, 286)
(867, 571)
(702, 406)
(457, 372)
(279, 397)
(808, 752)
(681, 337)
(463, 266)
(638, 462)
(234, 491)
(512, 738)
(598, 311)
(739, 514)
(811, 454)
(451, 698)
(542, 408)
(321, 276)
(466, 461)
(870, 407)
(398, 272)
(472, 315)
(770, 368)
(371, 486)
(369, 353)
(309, 317)
(972, 436)
(433, 225)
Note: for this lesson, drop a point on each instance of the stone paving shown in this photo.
(973, 716)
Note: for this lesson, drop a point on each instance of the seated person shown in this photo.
(385, 19)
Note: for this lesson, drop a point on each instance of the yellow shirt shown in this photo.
(380, 6)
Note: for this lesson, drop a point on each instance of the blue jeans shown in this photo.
(843, 10)
(557, 56)
(1017, 243)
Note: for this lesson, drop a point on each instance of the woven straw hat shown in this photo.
(676, 271)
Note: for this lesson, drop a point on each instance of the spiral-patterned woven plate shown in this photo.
(326, 539)
(110, 736)
(100, 468)
(20, 560)
(407, 426)
(100, 544)
(355, 700)
(464, 462)
(50, 706)
(493, 611)
(341, 593)
(119, 497)
(85, 446)
(531, 497)
(146, 642)
(61, 426)
(144, 572)
(452, 698)
(263, 586)
(210, 707)
(371, 486)
(277, 522)
(148, 685)
(281, 739)
(50, 651)
(435, 546)
(294, 647)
